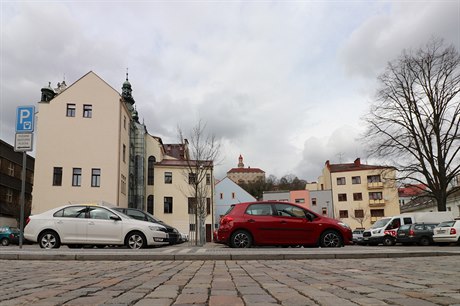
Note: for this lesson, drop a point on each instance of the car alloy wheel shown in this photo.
(389, 241)
(49, 240)
(425, 241)
(5, 242)
(241, 239)
(330, 239)
(135, 241)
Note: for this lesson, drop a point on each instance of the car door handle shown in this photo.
(91, 223)
(59, 222)
(251, 220)
(283, 222)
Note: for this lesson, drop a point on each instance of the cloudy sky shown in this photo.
(284, 83)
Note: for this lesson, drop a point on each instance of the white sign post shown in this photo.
(23, 142)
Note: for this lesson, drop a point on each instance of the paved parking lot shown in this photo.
(375, 281)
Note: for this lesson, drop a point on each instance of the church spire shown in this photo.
(126, 91)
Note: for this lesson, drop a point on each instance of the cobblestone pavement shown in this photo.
(389, 281)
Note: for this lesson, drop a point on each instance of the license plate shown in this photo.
(441, 231)
(366, 239)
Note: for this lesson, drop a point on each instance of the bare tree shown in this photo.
(414, 123)
(203, 150)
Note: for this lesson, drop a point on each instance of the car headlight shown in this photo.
(155, 228)
(376, 231)
(344, 225)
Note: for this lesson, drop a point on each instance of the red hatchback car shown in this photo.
(280, 223)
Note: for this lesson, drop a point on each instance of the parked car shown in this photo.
(447, 232)
(174, 235)
(358, 235)
(419, 233)
(279, 223)
(9, 235)
(83, 224)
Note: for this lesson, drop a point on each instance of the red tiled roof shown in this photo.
(355, 166)
(245, 170)
(411, 190)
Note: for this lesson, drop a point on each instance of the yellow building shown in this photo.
(245, 175)
(361, 194)
(90, 147)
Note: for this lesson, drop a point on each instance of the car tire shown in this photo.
(135, 240)
(424, 241)
(49, 240)
(241, 239)
(5, 241)
(330, 239)
(388, 241)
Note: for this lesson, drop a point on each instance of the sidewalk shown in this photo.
(212, 251)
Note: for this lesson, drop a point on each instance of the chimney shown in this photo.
(357, 162)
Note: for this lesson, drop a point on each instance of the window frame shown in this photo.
(71, 110)
(168, 205)
(342, 197)
(76, 177)
(96, 177)
(341, 181)
(87, 110)
(57, 176)
(168, 177)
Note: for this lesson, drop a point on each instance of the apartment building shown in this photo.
(10, 184)
(361, 194)
(90, 147)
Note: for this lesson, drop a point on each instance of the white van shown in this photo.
(384, 231)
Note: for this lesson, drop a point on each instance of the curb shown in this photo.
(131, 256)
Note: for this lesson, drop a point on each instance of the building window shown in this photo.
(191, 178)
(373, 179)
(168, 177)
(57, 176)
(300, 200)
(76, 177)
(221, 195)
(124, 122)
(358, 196)
(342, 197)
(150, 204)
(168, 205)
(208, 206)
(324, 211)
(191, 206)
(356, 180)
(377, 213)
(124, 153)
(87, 111)
(313, 201)
(208, 179)
(233, 195)
(343, 214)
(375, 196)
(341, 181)
(9, 196)
(11, 169)
(150, 170)
(96, 177)
(359, 213)
(123, 184)
(70, 110)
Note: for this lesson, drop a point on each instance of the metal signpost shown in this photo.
(23, 142)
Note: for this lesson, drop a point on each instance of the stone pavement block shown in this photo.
(225, 300)
(89, 300)
(192, 299)
(165, 291)
(322, 300)
(250, 290)
(411, 302)
(251, 299)
(154, 302)
(126, 298)
(223, 292)
(363, 301)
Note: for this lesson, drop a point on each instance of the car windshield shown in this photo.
(380, 223)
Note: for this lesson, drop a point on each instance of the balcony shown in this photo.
(376, 203)
(375, 185)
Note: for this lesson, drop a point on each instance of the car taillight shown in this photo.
(453, 231)
(225, 220)
(411, 233)
(27, 220)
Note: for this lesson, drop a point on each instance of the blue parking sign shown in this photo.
(25, 119)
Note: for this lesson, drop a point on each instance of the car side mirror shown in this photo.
(115, 218)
